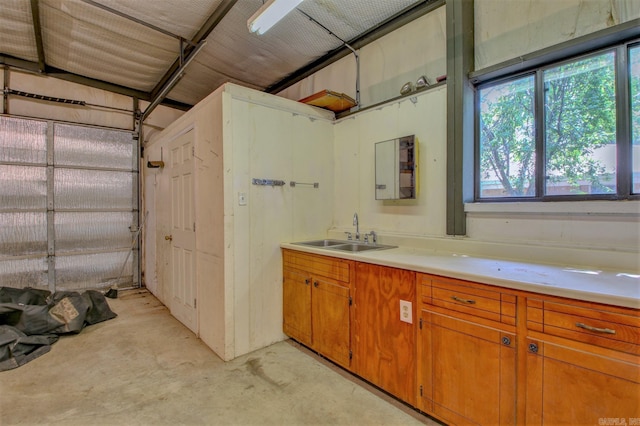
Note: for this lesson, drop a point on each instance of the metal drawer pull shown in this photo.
(469, 301)
(596, 329)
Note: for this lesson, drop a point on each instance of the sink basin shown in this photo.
(348, 246)
(321, 243)
(356, 247)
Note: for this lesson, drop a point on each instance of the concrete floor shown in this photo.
(145, 368)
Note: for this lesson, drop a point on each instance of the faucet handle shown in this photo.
(349, 236)
(374, 236)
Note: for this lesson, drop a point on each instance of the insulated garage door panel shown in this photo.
(79, 189)
(96, 270)
(68, 207)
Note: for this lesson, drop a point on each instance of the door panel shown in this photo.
(296, 291)
(481, 358)
(183, 282)
(383, 345)
(330, 319)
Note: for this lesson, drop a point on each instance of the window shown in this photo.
(507, 139)
(634, 83)
(552, 133)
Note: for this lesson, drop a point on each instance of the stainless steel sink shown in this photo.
(356, 247)
(321, 243)
(348, 246)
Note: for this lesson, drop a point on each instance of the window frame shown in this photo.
(622, 82)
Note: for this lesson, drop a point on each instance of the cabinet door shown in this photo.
(467, 371)
(383, 345)
(330, 320)
(569, 386)
(296, 290)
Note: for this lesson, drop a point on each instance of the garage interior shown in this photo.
(281, 127)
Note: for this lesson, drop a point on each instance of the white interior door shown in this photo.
(183, 239)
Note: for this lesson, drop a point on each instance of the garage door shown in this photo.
(69, 206)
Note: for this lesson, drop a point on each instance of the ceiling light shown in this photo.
(270, 13)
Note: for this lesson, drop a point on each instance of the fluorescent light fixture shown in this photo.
(270, 13)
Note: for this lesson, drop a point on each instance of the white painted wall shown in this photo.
(243, 134)
(355, 137)
(592, 234)
(507, 29)
(596, 234)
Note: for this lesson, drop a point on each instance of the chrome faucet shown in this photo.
(357, 225)
(372, 235)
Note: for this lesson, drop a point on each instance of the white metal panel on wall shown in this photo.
(509, 29)
(69, 205)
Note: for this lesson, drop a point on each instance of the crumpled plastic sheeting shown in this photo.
(31, 320)
(16, 348)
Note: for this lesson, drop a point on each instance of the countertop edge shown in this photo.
(378, 257)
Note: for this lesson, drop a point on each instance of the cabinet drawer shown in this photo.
(474, 299)
(595, 325)
(324, 266)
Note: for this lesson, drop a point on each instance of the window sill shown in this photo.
(609, 208)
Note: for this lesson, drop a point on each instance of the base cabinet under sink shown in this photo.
(316, 300)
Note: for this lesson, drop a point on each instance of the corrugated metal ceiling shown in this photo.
(134, 46)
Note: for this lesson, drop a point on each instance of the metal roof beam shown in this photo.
(382, 29)
(86, 81)
(213, 20)
(37, 32)
(133, 19)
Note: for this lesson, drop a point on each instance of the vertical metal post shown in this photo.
(138, 190)
(624, 145)
(5, 85)
(460, 112)
(135, 202)
(51, 234)
(540, 125)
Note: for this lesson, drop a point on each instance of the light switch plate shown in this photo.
(242, 198)
(406, 313)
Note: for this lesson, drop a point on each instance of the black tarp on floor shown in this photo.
(31, 320)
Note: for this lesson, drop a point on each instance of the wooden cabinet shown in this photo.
(296, 289)
(383, 345)
(316, 302)
(466, 352)
(472, 353)
(582, 362)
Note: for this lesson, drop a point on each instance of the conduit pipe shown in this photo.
(355, 53)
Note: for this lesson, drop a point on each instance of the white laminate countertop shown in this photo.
(609, 287)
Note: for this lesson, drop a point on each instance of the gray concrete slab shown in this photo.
(145, 368)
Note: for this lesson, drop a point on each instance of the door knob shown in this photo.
(168, 237)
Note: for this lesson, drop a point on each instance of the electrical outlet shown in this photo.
(406, 313)
(242, 198)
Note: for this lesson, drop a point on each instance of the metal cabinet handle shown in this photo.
(596, 329)
(168, 237)
(307, 281)
(469, 301)
(316, 284)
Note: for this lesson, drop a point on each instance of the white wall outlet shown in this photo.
(406, 313)
(242, 198)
